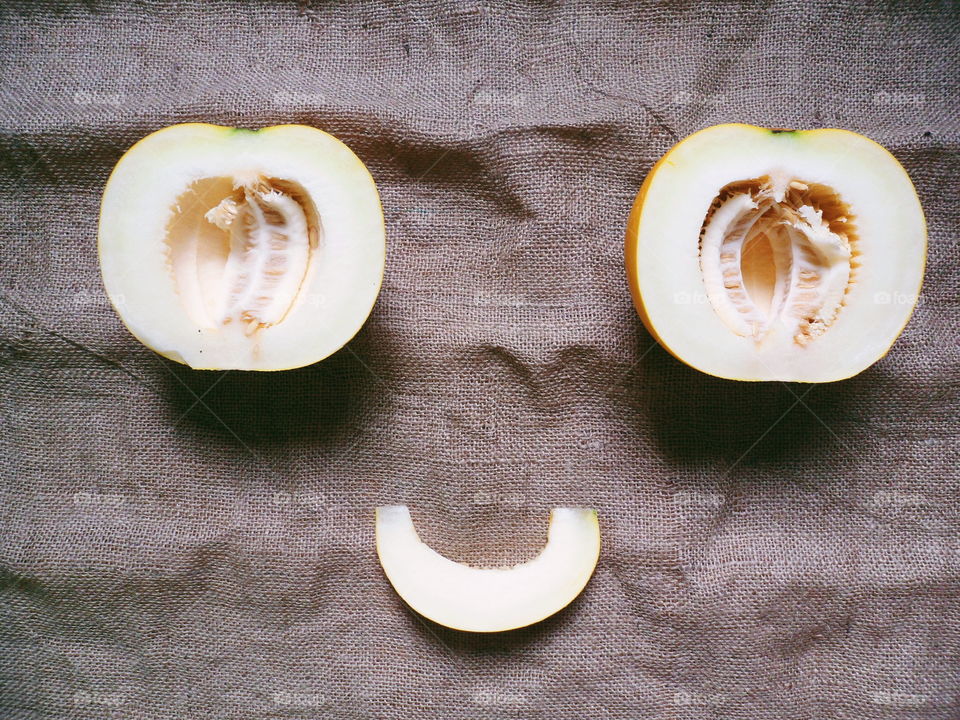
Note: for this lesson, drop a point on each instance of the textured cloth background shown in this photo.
(183, 544)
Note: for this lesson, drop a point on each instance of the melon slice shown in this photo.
(757, 254)
(489, 599)
(252, 250)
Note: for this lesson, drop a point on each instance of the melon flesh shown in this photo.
(234, 249)
(489, 599)
(758, 254)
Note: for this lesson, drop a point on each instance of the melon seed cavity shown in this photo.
(778, 253)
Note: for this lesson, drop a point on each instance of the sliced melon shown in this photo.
(757, 254)
(252, 250)
(489, 599)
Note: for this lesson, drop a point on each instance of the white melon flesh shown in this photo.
(489, 599)
(757, 254)
(253, 250)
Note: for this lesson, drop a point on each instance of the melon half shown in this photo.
(489, 599)
(792, 255)
(225, 248)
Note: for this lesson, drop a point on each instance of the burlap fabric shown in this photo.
(181, 544)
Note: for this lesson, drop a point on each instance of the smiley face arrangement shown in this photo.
(751, 254)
